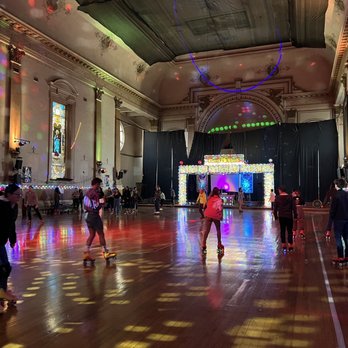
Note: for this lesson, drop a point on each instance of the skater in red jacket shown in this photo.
(213, 214)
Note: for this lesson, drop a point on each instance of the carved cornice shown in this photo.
(340, 52)
(307, 95)
(60, 52)
(118, 103)
(256, 98)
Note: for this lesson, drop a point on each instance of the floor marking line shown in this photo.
(337, 325)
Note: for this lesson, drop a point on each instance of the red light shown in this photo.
(313, 64)
(199, 162)
(31, 3)
(67, 8)
(181, 163)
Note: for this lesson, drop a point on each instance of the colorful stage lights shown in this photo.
(238, 125)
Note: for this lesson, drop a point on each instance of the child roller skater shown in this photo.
(299, 221)
(213, 214)
(339, 218)
(8, 216)
(285, 209)
(92, 206)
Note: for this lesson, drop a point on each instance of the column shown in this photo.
(98, 131)
(117, 158)
(190, 128)
(15, 98)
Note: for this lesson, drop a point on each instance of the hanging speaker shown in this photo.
(18, 164)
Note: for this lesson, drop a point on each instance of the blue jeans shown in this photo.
(117, 206)
(341, 232)
(5, 268)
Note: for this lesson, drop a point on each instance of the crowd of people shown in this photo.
(287, 208)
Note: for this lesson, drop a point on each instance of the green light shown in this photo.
(235, 126)
(243, 125)
(217, 129)
(253, 125)
(272, 123)
(262, 124)
(248, 125)
(229, 127)
(257, 124)
(212, 130)
(236, 122)
(221, 128)
(267, 123)
(226, 127)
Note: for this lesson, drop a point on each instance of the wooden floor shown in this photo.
(160, 293)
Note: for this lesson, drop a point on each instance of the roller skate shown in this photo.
(294, 234)
(328, 235)
(220, 250)
(88, 259)
(108, 256)
(7, 296)
(291, 248)
(204, 251)
(339, 262)
(302, 234)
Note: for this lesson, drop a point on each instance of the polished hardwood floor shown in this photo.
(160, 293)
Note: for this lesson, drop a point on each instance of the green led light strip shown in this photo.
(244, 125)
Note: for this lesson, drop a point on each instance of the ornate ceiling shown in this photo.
(161, 30)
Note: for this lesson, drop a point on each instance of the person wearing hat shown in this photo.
(8, 216)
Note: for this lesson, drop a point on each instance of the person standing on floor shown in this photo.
(157, 200)
(213, 214)
(299, 221)
(56, 197)
(285, 209)
(202, 202)
(339, 217)
(31, 202)
(81, 199)
(172, 196)
(92, 206)
(272, 197)
(240, 199)
(8, 216)
(117, 201)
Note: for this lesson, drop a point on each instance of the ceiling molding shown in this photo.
(121, 89)
(341, 51)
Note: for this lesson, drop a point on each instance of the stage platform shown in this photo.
(160, 293)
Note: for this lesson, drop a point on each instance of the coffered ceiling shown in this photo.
(161, 30)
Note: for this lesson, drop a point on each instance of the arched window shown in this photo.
(122, 136)
(62, 115)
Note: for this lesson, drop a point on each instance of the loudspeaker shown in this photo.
(18, 164)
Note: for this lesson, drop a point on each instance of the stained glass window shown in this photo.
(58, 141)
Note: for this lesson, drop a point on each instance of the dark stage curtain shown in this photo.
(179, 154)
(164, 165)
(149, 164)
(162, 153)
(289, 154)
(205, 144)
(294, 149)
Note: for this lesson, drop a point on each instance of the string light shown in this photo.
(223, 164)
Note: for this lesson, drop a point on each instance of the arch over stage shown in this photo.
(275, 112)
(226, 164)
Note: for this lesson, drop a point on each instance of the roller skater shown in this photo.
(92, 204)
(8, 216)
(285, 209)
(299, 221)
(339, 217)
(213, 214)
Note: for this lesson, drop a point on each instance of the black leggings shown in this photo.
(285, 224)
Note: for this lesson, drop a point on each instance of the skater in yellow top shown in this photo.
(92, 206)
(202, 202)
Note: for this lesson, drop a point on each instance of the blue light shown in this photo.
(204, 76)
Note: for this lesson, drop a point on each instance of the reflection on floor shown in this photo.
(160, 293)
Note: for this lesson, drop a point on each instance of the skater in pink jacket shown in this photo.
(213, 214)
